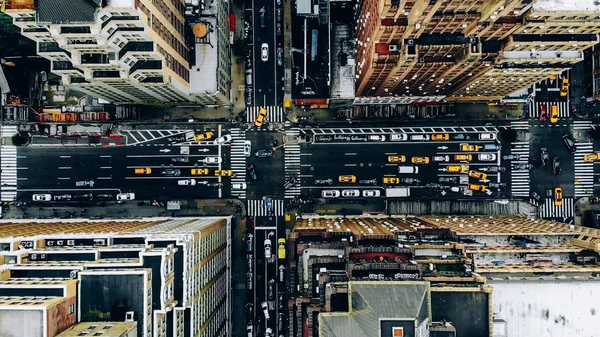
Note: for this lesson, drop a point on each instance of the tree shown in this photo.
(19, 140)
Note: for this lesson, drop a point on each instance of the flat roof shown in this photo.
(520, 249)
(566, 5)
(517, 268)
(203, 74)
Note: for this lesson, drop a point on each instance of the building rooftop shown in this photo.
(73, 11)
(104, 329)
(566, 5)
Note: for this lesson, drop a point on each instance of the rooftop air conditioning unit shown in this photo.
(411, 42)
(393, 47)
(129, 316)
(422, 59)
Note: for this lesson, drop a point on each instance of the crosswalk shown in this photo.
(8, 165)
(275, 114)
(292, 163)
(519, 185)
(519, 125)
(535, 109)
(238, 161)
(549, 210)
(584, 172)
(135, 137)
(259, 208)
(582, 125)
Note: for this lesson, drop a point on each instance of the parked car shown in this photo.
(461, 136)
(85, 183)
(569, 143)
(511, 157)
(42, 197)
(544, 155)
(263, 153)
(323, 182)
(371, 193)
(555, 165)
(249, 280)
(173, 173)
(180, 159)
(350, 193)
(252, 171)
(65, 197)
(330, 193)
(126, 196)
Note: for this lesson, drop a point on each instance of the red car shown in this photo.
(543, 112)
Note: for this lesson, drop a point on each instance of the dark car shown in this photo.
(105, 196)
(249, 242)
(87, 196)
(511, 157)
(249, 280)
(263, 153)
(270, 289)
(433, 186)
(544, 155)
(569, 143)
(452, 180)
(63, 197)
(367, 182)
(180, 159)
(411, 181)
(85, 183)
(269, 204)
(536, 196)
(555, 165)
(461, 136)
(289, 183)
(249, 261)
(280, 301)
(322, 182)
(493, 169)
(175, 173)
(280, 56)
(522, 166)
(252, 171)
(214, 185)
(177, 138)
(249, 312)
(497, 185)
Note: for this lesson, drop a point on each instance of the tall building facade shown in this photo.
(162, 276)
(467, 50)
(124, 51)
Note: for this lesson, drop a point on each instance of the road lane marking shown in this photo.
(64, 167)
(64, 178)
(350, 164)
(65, 156)
(104, 178)
(350, 153)
(105, 167)
(108, 156)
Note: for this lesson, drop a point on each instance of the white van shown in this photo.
(408, 169)
(398, 137)
(419, 137)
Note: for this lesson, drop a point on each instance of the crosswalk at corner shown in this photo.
(519, 179)
(535, 109)
(275, 114)
(238, 161)
(549, 210)
(582, 125)
(259, 208)
(8, 165)
(584, 172)
(519, 125)
(292, 163)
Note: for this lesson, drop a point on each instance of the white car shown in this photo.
(398, 137)
(377, 138)
(126, 196)
(371, 193)
(330, 193)
(267, 244)
(187, 182)
(264, 52)
(42, 197)
(265, 308)
(247, 148)
(223, 139)
(487, 156)
(442, 159)
(487, 136)
(238, 186)
(212, 160)
(350, 193)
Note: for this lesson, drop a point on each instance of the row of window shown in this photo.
(211, 300)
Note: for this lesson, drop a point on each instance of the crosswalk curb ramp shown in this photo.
(275, 114)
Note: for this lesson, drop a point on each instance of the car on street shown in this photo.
(249, 242)
(278, 29)
(461, 136)
(536, 196)
(265, 308)
(511, 157)
(143, 170)
(391, 180)
(199, 171)
(544, 156)
(486, 156)
(260, 118)
(63, 197)
(411, 181)
(203, 136)
(450, 180)
(376, 138)
(212, 160)
(249, 280)
(247, 148)
(569, 143)
(395, 137)
(419, 137)
(238, 186)
(269, 206)
(267, 246)
(180, 159)
(104, 196)
(477, 175)
(223, 173)
(476, 187)
(367, 182)
(433, 186)
(85, 183)
(543, 112)
(456, 168)
(440, 136)
(396, 159)
(371, 193)
(186, 182)
(493, 169)
(591, 157)
(252, 171)
(441, 159)
(42, 197)
(420, 160)
(330, 193)
(555, 165)
(223, 139)
(86, 196)
(469, 147)
(463, 157)
(214, 185)
(487, 136)
(564, 89)
(491, 147)
(558, 196)
(522, 166)
(172, 173)
(279, 56)
(269, 332)
(263, 153)
(289, 183)
(323, 182)
(350, 193)
(348, 179)
(278, 14)
(126, 196)
(281, 248)
(497, 185)
(553, 113)
(264, 52)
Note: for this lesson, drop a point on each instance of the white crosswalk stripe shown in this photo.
(582, 125)
(549, 210)
(584, 172)
(519, 125)
(535, 110)
(259, 208)
(135, 137)
(519, 179)
(275, 114)
(292, 163)
(8, 165)
(238, 161)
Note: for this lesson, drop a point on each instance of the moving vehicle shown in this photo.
(143, 170)
(199, 172)
(463, 157)
(85, 183)
(63, 197)
(476, 187)
(42, 197)
(451, 180)
(350, 193)
(591, 157)
(249, 280)
(522, 166)
(269, 206)
(252, 171)
(262, 17)
(349, 179)
(180, 159)
(391, 180)
(398, 192)
(212, 160)
(486, 156)
(203, 136)
(493, 169)
(371, 193)
(265, 308)
(260, 118)
(543, 112)
(223, 139)
(433, 186)
(263, 153)
(330, 193)
(456, 168)
(440, 136)
(395, 137)
(267, 245)
(186, 182)
(396, 159)
(420, 160)
(411, 181)
(536, 196)
(289, 183)
(238, 186)
(126, 196)
(564, 89)
(420, 137)
(270, 290)
(555, 165)
(569, 143)
(553, 113)
(281, 248)
(491, 147)
(544, 156)
(487, 136)
(173, 173)
(264, 52)
(408, 169)
(249, 242)
(214, 185)
(477, 175)
(441, 159)
(323, 182)
(247, 148)
(558, 196)
(223, 173)
(469, 147)
(367, 182)
(461, 136)
(511, 157)
(497, 185)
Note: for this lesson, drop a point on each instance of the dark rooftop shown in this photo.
(72, 11)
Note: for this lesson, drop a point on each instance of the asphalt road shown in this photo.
(269, 169)
(267, 75)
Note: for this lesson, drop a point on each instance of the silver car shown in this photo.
(486, 156)
(330, 193)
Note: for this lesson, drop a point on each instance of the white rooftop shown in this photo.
(120, 3)
(203, 76)
(566, 5)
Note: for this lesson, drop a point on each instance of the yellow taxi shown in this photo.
(199, 171)
(565, 87)
(281, 249)
(203, 136)
(419, 160)
(553, 78)
(477, 175)
(347, 179)
(463, 157)
(260, 119)
(591, 157)
(223, 173)
(476, 187)
(553, 113)
(440, 136)
(558, 197)
(143, 170)
(469, 147)
(456, 168)
(391, 180)
(396, 159)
